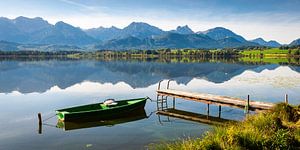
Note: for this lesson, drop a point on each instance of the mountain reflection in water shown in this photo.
(31, 87)
(40, 76)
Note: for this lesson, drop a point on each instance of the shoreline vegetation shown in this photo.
(256, 55)
(278, 128)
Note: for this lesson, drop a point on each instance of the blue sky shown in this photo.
(270, 19)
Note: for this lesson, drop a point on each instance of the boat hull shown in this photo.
(69, 114)
(130, 117)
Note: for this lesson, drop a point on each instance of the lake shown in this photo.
(30, 87)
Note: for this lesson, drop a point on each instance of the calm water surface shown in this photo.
(29, 87)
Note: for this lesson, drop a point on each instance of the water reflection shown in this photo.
(191, 116)
(281, 80)
(40, 76)
(27, 88)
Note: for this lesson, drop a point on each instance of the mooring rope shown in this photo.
(49, 117)
(151, 99)
(50, 125)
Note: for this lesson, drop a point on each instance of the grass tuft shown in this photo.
(286, 112)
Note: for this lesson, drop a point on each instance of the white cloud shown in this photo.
(79, 4)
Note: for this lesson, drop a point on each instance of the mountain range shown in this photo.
(38, 31)
(15, 34)
(262, 42)
(138, 35)
(295, 42)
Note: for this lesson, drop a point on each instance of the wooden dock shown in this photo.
(246, 104)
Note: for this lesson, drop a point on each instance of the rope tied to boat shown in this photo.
(148, 98)
(49, 118)
(50, 125)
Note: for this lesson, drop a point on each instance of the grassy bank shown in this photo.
(276, 129)
(267, 60)
(271, 53)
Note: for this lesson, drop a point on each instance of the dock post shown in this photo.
(157, 101)
(207, 109)
(166, 102)
(40, 118)
(286, 100)
(40, 123)
(247, 105)
(173, 102)
(162, 102)
(248, 102)
(220, 111)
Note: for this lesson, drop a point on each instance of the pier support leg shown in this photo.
(162, 102)
(248, 103)
(173, 102)
(207, 109)
(220, 111)
(157, 101)
(166, 102)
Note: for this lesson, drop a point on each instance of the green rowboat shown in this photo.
(101, 110)
(130, 117)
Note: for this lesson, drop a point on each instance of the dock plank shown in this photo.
(216, 99)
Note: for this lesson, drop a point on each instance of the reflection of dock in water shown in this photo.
(138, 115)
(190, 116)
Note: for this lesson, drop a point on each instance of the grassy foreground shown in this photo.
(276, 129)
